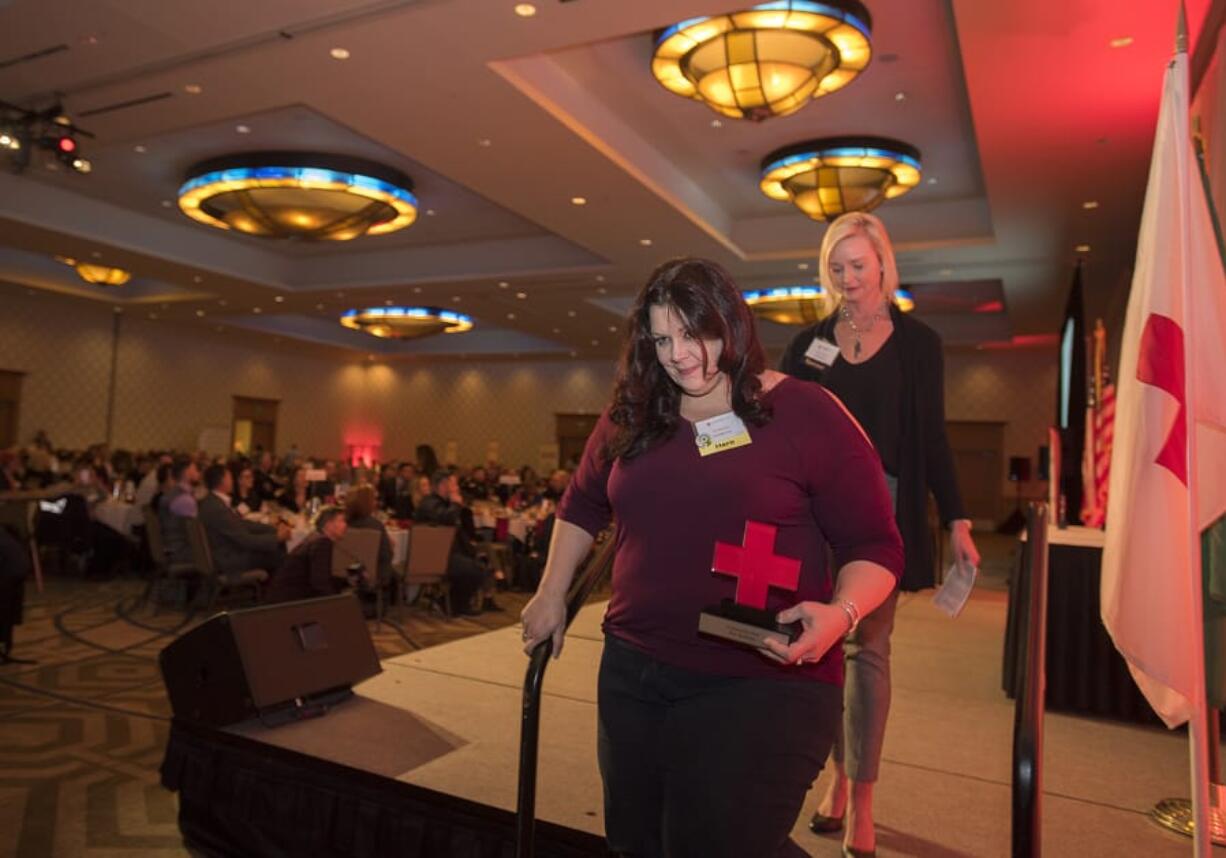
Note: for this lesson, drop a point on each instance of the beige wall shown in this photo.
(174, 381)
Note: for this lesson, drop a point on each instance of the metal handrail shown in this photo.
(1029, 706)
(594, 573)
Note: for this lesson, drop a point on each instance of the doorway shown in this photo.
(572, 432)
(254, 428)
(979, 460)
(10, 406)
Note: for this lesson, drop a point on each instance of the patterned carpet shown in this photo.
(82, 731)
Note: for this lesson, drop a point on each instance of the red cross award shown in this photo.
(757, 568)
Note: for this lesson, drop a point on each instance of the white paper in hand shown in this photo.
(959, 581)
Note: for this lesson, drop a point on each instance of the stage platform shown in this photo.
(445, 722)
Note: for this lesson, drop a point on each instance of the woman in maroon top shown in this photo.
(707, 747)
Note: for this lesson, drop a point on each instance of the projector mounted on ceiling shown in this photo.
(22, 131)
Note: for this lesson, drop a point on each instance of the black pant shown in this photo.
(701, 765)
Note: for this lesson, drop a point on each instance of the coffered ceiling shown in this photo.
(1023, 112)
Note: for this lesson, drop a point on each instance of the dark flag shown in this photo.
(1071, 400)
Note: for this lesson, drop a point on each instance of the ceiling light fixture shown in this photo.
(243, 129)
(298, 195)
(525, 10)
(339, 53)
(646, 242)
(1090, 204)
(578, 201)
(825, 178)
(768, 60)
(193, 88)
(804, 305)
(1082, 248)
(97, 275)
(406, 323)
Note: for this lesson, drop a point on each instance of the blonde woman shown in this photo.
(887, 369)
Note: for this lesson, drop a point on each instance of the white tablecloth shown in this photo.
(400, 545)
(119, 516)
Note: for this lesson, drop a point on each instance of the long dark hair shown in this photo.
(646, 402)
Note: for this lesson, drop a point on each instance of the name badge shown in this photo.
(720, 433)
(821, 353)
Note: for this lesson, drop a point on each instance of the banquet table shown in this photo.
(1085, 673)
(120, 516)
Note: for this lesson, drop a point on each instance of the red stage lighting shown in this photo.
(66, 145)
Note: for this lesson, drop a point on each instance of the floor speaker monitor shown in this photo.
(276, 662)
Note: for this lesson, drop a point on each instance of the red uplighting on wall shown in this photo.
(990, 307)
(363, 445)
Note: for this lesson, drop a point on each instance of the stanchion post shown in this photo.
(1028, 709)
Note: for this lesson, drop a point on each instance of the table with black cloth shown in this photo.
(1085, 673)
(239, 796)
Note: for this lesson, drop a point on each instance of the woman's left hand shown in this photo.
(961, 546)
(823, 627)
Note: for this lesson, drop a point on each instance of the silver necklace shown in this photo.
(845, 315)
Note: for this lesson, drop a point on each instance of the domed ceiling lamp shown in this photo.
(406, 323)
(97, 275)
(768, 60)
(298, 195)
(804, 305)
(790, 305)
(826, 178)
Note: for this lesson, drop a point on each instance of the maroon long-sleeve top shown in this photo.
(810, 472)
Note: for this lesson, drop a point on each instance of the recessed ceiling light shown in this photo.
(612, 329)
(319, 306)
(557, 330)
(200, 314)
(525, 10)
(222, 302)
(417, 290)
(521, 295)
(166, 204)
(1121, 42)
(945, 272)
(599, 278)
(485, 142)
(510, 315)
(571, 313)
(89, 40)
(97, 254)
(932, 180)
(139, 149)
(193, 89)
(802, 266)
(280, 299)
(243, 129)
(600, 290)
(117, 309)
(1090, 204)
(339, 53)
(595, 342)
(455, 299)
(900, 96)
(1082, 248)
(387, 302)
(646, 242)
(429, 212)
(256, 310)
(153, 315)
(578, 201)
(340, 294)
(197, 279)
(717, 123)
(503, 284)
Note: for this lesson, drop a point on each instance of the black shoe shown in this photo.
(821, 824)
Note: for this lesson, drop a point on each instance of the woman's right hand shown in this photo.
(543, 617)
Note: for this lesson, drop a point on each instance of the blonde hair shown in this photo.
(871, 227)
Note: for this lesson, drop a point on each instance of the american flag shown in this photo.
(1100, 433)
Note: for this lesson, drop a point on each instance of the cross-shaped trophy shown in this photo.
(757, 568)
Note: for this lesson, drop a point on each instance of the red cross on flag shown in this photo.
(1168, 464)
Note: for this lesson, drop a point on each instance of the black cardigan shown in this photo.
(925, 461)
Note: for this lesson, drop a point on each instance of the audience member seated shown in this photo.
(476, 485)
(420, 491)
(246, 499)
(296, 494)
(14, 567)
(464, 574)
(164, 481)
(556, 486)
(403, 498)
(152, 483)
(267, 486)
(307, 571)
(237, 544)
(177, 504)
(11, 472)
(360, 514)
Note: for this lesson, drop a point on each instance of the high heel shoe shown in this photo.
(822, 824)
